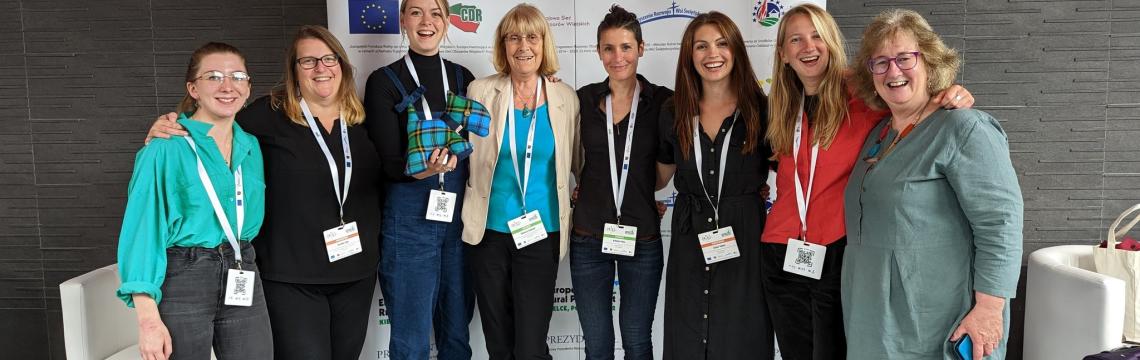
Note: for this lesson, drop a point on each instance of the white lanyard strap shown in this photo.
(341, 197)
(618, 185)
(522, 181)
(802, 200)
(723, 160)
(239, 199)
(423, 99)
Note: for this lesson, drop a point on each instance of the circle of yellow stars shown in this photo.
(383, 16)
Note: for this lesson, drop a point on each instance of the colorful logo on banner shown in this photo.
(767, 12)
(673, 11)
(466, 17)
(373, 17)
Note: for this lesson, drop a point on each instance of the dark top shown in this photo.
(595, 205)
(712, 311)
(381, 97)
(300, 203)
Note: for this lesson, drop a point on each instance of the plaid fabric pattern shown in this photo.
(424, 136)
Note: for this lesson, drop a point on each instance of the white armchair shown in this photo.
(1070, 311)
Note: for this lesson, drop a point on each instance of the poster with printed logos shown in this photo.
(370, 33)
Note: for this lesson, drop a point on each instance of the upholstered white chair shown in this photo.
(1070, 311)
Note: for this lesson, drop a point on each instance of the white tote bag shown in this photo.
(1124, 265)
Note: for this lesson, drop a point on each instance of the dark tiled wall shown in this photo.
(79, 83)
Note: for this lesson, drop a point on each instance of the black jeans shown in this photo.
(320, 321)
(806, 313)
(515, 292)
(194, 311)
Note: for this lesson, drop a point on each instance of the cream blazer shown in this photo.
(562, 104)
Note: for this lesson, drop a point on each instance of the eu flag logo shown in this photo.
(373, 17)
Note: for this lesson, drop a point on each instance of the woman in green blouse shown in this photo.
(934, 210)
(192, 201)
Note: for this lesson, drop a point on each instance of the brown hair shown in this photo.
(188, 103)
(525, 19)
(442, 7)
(750, 98)
(620, 18)
(287, 95)
(784, 99)
(941, 61)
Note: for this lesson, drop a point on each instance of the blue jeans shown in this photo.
(194, 312)
(423, 276)
(592, 274)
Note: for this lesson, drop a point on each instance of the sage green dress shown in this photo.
(935, 220)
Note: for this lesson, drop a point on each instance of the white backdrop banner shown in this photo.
(370, 32)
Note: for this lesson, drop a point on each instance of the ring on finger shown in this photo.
(957, 97)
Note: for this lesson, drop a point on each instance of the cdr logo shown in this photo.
(465, 17)
(767, 12)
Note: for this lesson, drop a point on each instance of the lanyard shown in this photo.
(802, 200)
(618, 185)
(341, 197)
(423, 99)
(723, 160)
(522, 181)
(239, 199)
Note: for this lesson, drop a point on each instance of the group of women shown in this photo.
(912, 237)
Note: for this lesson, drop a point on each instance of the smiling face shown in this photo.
(804, 50)
(712, 57)
(619, 51)
(216, 100)
(322, 81)
(524, 52)
(425, 24)
(901, 89)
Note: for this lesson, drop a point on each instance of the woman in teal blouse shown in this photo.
(192, 200)
(933, 211)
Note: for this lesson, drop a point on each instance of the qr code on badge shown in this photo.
(240, 286)
(804, 256)
(440, 205)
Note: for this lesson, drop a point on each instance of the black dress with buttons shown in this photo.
(716, 311)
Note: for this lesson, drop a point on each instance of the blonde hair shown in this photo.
(942, 62)
(525, 19)
(784, 100)
(287, 95)
(189, 104)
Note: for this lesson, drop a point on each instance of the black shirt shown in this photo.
(390, 131)
(595, 205)
(300, 203)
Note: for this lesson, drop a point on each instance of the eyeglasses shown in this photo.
(310, 62)
(516, 39)
(239, 77)
(905, 61)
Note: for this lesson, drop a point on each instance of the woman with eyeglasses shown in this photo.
(422, 271)
(516, 212)
(816, 127)
(194, 205)
(320, 245)
(934, 209)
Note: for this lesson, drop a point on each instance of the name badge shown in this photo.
(619, 239)
(342, 241)
(527, 229)
(804, 258)
(719, 245)
(441, 206)
(239, 287)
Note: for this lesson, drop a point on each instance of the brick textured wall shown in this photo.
(1063, 77)
(79, 83)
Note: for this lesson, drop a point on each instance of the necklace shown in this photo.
(873, 155)
(527, 111)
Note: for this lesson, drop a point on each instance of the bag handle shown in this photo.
(1114, 232)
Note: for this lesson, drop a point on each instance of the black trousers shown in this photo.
(319, 321)
(515, 292)
(806, 313)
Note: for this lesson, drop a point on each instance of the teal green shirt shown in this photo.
(167, 205)
(541, 190)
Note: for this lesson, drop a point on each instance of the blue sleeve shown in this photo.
(142, 240)
(986, 186)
